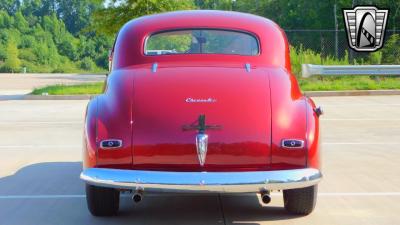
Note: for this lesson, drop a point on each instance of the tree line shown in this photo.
(51, 36)
(75, 35)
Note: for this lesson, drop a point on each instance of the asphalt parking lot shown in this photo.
(40, 162)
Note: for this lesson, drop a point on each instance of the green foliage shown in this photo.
(110, 20)
(179, 42)
(300, 56)
(43, 44)
(335, 83)
(375, 58)
(87, 64)
(95, 88)
(75, 35)
(12, 63)
(391, 50)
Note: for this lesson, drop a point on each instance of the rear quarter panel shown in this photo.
(289, 117)
(114, 120)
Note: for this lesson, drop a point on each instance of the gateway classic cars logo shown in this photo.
(365, 26)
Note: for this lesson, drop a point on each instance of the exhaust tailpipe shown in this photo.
(137, 196)
(265, 197)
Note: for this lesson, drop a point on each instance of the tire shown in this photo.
(102, 201)
(300, 201)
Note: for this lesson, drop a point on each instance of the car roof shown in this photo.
(129, 48)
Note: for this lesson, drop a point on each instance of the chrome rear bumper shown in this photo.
(163, 181)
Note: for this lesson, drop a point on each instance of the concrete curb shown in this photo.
(57, 97)
(45, 97)
(351, 93)
(307, 93)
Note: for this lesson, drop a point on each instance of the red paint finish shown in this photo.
(114, 117)
(89, 136)
(160, 111)
(313, 140)
(256, 109)
(129, 47)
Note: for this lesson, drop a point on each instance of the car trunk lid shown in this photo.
(172, 106)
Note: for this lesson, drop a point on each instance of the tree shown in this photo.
(11, 6)
(76, 14)
(20, 22)
(391, 50)
(110, 20)
(12, 62)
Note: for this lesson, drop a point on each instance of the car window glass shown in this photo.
(202, 41)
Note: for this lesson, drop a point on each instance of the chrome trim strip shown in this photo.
(239, 182)
(248, 67)
(113, 147)
(154, 67)
(289, 147)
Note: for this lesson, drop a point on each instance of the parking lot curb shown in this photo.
(57, 97)
(351, 93)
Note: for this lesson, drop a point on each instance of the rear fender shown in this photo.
(114, 120)
(89, 135)
(313, 140)
(288, 108)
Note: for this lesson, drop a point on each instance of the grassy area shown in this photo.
(349, 83)
(309, 84)
(79, 89)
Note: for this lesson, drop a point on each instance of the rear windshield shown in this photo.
(201, 41)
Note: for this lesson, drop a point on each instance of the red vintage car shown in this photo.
(201, 101)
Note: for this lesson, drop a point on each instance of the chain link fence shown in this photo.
(332, 43)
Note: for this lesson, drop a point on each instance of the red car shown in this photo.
(201, 101)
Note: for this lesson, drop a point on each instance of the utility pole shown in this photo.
(336, 32)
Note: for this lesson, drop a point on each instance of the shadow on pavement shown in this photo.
(62, 178)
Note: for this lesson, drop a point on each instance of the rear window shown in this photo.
(202, 41)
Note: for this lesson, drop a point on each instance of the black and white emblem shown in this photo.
(365, 26)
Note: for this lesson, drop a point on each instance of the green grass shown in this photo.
(79, 89)
(349, 83)
(317, 83)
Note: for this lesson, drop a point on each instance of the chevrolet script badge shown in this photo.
(201, 145)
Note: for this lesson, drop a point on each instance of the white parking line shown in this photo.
(359, 119)
(38, 122)
(323, 194)
(40, 196)
(38, 146)
(360, 104)
(353, 194)
(361, 143)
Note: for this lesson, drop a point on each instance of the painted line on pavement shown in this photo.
(40, 122)
(38, 146)
(359, 119)
(323, 194)
(361, 143)
(361, 104)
